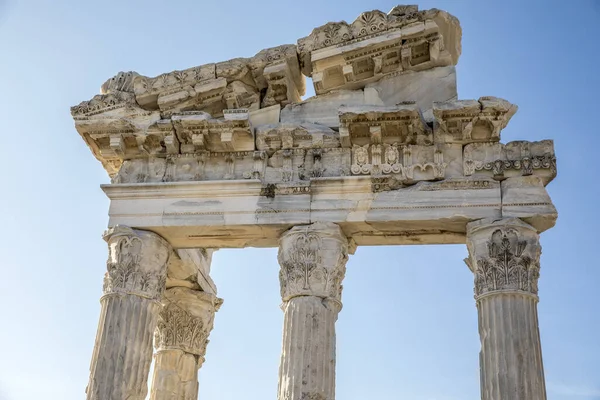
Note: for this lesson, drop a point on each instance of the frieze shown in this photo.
(377, 159)
(518, 158)
(526, 165)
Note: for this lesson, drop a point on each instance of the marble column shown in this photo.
(504, 256)
(184, 324)
(313, 264)
(133, 286)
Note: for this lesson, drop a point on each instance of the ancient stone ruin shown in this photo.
(228, 155)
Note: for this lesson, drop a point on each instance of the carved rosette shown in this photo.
(313, 261)
(137, 263)
(504, 256)
(186, 320)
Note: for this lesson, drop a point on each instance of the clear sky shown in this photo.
(408, 329)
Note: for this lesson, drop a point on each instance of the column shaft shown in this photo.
(313, 264)
(175, 376)
(123, 352)
(133, 285)
(511, 355)
(308, 354)
(504, 257)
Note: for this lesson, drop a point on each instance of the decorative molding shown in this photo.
(526, 165)
(102, 103)
(459, 185)
(338, 54)
(518, 158)
(469, 121)
(367, 160)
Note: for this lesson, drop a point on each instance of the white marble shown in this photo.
(339, 55)
(423, 87)
(227, 155)
(313, 264)
(133, 286)
(185, 322)
(504, 256)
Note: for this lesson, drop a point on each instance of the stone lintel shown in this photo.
(371, 211)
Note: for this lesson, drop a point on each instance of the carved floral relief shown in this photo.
(137, 263)
(312, 264)
(510, 262)
(177, 328)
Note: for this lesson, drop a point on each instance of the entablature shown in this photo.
(339, 55)
(467, 121)
(207, 157)
(402, 124)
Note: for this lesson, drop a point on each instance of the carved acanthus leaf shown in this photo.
(137, 263)
(186, 320)
(178, 329)
(313, 262)
(510, 263)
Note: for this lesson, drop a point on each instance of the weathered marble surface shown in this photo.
(349, 56)
(504, 256)
(468, 121)
(518, 158)
(371, 210)
(185, 321)
(133, 285)
(423, 87)
(228, 155)
(313, 264)
(190, 268)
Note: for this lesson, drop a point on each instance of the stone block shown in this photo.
(264, 116)
(525, 197)
(422, 87)
(470, 121)
(322, 109)
(274, 137)
(339, 55)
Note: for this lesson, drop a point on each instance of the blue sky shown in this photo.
(408, 329)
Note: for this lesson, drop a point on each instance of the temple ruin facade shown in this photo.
(228, 155)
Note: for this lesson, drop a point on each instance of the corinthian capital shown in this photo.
(137, 262)
(504, 256)
(313, 261)
(186, 320)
